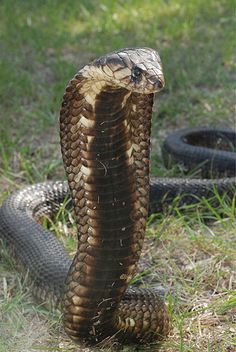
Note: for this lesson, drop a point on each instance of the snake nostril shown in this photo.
(159, 84)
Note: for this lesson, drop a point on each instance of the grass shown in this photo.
(43, 43)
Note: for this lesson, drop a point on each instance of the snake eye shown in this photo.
(136, 74)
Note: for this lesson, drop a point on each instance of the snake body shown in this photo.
(105, 125)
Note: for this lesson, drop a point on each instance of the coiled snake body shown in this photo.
(105, 127)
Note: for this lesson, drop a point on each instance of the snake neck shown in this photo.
(105, 146)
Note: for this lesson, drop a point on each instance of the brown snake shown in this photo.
(105, 137)
(105, 124)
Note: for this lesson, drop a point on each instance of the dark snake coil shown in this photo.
(105, 124)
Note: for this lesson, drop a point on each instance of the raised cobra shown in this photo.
(105, 125)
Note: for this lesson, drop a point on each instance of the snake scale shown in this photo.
(105, 125)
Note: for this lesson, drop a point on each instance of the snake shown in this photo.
(105, 129)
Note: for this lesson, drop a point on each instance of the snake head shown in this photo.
(135, 69)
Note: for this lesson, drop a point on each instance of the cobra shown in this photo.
(105, 125)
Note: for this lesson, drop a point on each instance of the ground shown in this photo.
(43, 44)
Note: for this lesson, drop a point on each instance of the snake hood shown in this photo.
(136, 69)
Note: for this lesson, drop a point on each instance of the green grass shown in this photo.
(196, 262)
(42, 45)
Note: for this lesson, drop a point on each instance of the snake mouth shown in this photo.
(158, 83)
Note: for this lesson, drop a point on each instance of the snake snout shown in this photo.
(156, 82)
(159, 83)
